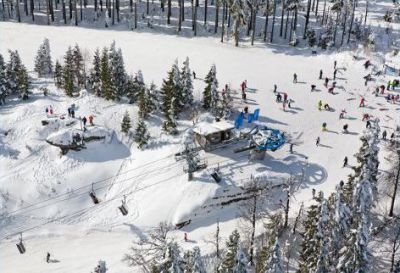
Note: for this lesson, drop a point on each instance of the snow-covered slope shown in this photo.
(46, 195)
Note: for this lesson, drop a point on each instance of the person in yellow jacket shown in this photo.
(320, 105)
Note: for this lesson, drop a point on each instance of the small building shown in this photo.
(207, 134)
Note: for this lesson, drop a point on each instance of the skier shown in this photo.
(327, 107)
(285, 96)
(69, 111)
(185, 237)
(368, 124)
(47, 111)
(275, 88)
(51, 110)
(362, 102)
(290, 103)
(278, 97)
(392, 138)
(291, 148)
(326, 82)
(334, 74)
(345, 161)
(284, 105)
(72, 113)
(365, 117)
(48, 257)
(345, 131)
(388, 85)
(367, 64)
(384, 135)
(382, 89)
(294, 78)
(320, 105)
(341, 116)
(317, 141)
(324, 126)
(194, 75)
(320, 74)
(84, 120)
(91, 120)
(330, 90)
(313, 87)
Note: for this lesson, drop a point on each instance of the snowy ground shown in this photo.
(46, 195)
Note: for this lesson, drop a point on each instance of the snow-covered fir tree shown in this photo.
(178, 90)
(3, 80)
(170, 122)
(151, 98)
(193, 261)
(95, 75)
(117, 70)
(68, 73)
(187, 84)
(78, 67)
(58, 75)
(141, 134)
(323, 258)
(17, 75)
(275, 263)
(232, 245)
(227, 101)
(173, 261)
(312, 40)
(107, 89)
(43, 63)
(210, 93)
(241, 264)
(168, 103)
(126, 123)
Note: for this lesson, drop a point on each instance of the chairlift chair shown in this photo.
(215, 175)
(20, 246)
(123, 208)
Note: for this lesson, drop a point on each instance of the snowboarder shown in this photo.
(384, 135)
(317, 142)
(47, 111)
(194, 75)
(320, 105)
(366, 116)
(72, 113)
(382, 89)
(345, 161)
(324, 126)
(69, 112)
(334, 74)
(243, 86)
(294, 78)
(91, 120)
(327, 107)
(367, 64)
(362, 102)
(291, 148)
(48, 257)
(84, 120)
(320, 74)
(313, 87)
(275, 88)
(345, 127)
(326, 82)
(51, 110)
(330, 90)
(368, 124)
(392, 138)
(185, 237)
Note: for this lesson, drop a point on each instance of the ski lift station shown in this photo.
(207, 134)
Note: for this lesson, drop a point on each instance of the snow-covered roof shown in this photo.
(207, 128)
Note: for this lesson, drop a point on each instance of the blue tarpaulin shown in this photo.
(250, 118)
(256, 114)
(239, 121)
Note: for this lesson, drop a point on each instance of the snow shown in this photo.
(206, 128)
(65, 136)
(78, 233)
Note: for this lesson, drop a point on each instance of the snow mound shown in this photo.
(65, 137)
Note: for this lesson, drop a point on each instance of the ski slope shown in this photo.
(46, 195)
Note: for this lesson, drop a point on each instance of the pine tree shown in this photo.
(312, 40)
(323, 261)
(173, 261)
(95, 75)
(126, 123)
(210, 94)
(130, 89)
(170, 123)
(3, 80)
(141, 135)
(237, 12)
(178, 89)
(105, 76)
(151, 98)
(228, 264)
(227, 102)
(187, 84)
(275, 263)
(78, 68)
(58, 75)
(117, 71)
(43, 63)
(68, 72)
(16, 75)
(241, 262)
(143, 110)
(167, 102)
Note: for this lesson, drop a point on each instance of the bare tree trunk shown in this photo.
(113, 12)
(76, 12)
(266, 22)
(396, 184)
(48, 11)
(295, 18)
(282, 18)
(287, 208)
(273, 22)
(253, 228)
(223, 22)
(366, 12)
(336, 27)
(316, 9)
(3, 9)
(286, 24)
(253, 34)
(180, 16)
(18, 11)
(344, 26)
(101, 5)
(183, 10)
(32, 10)
(81, 9)
(205, 11)
(323, 13)
(147, 7)
(291, 29)
(195, 18)
(169, 12)
(70, 9)
(229, 19)
(307, 19)
(63, 12)
(135, 14)
(216, 15)
(117, 6)
(25, 7)
(51, 10)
